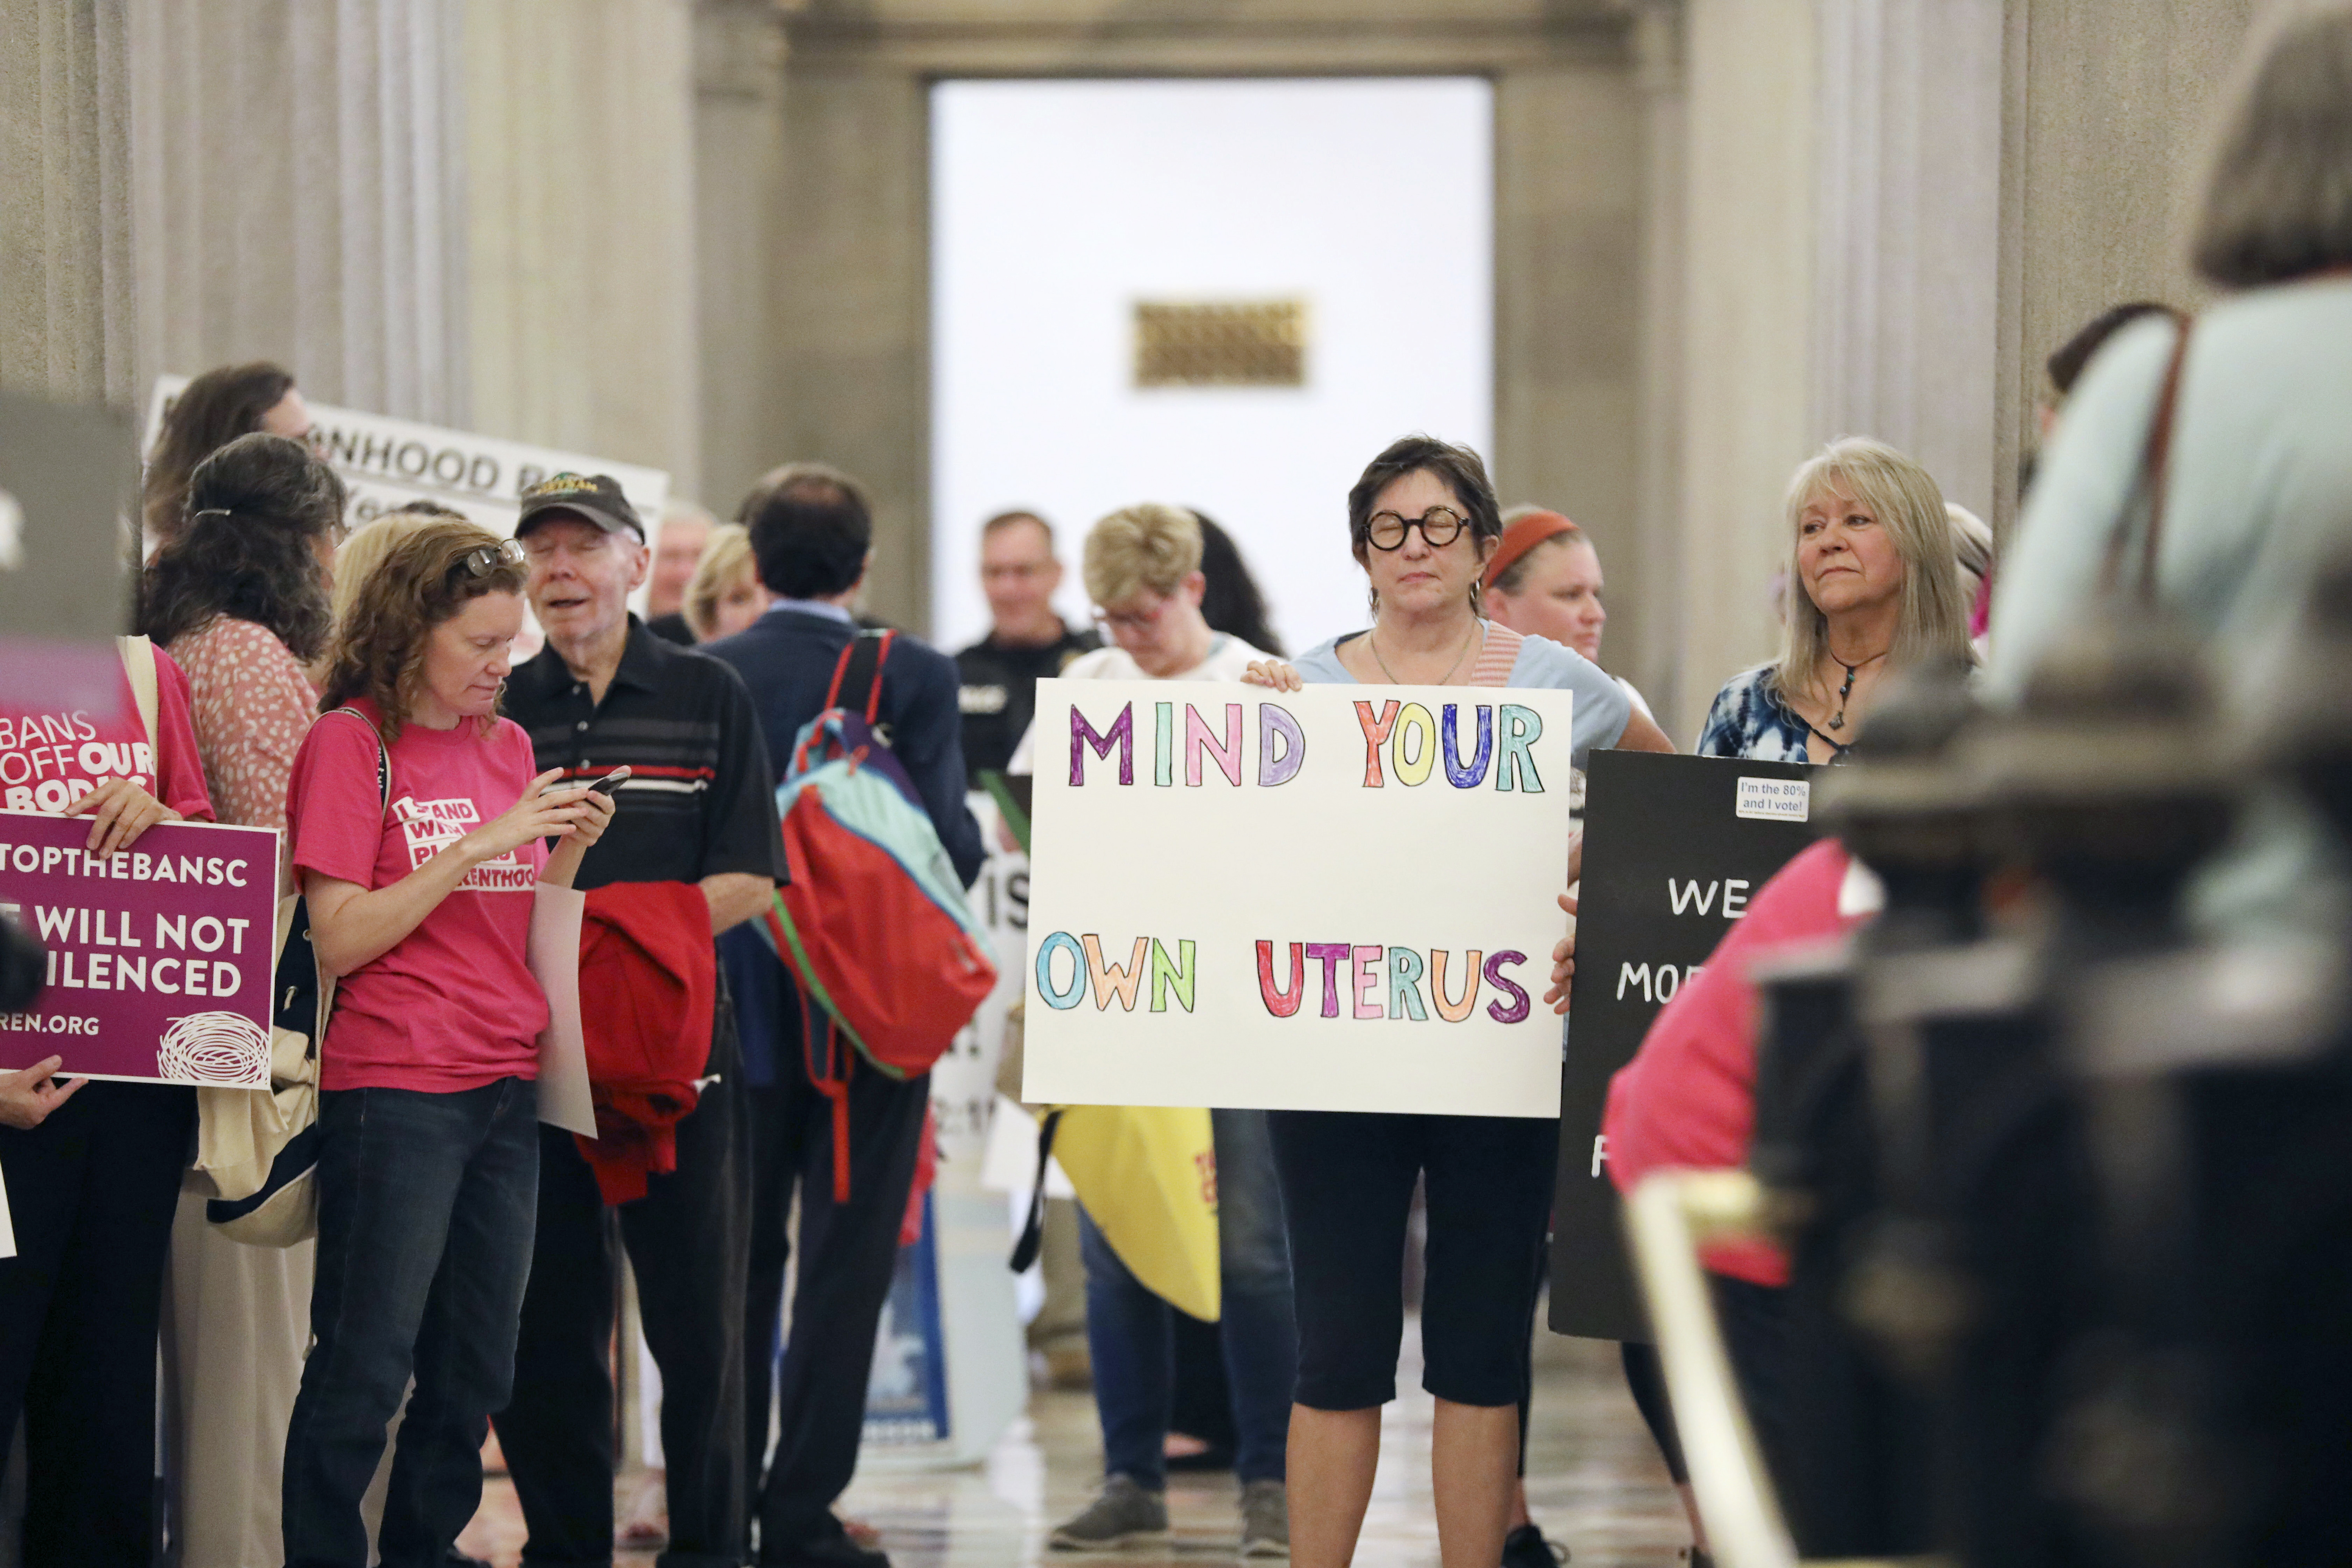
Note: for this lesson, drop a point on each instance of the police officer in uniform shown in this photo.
(1027, 641)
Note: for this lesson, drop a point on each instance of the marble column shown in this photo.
(68, 317)
(297, 180)
(853, 304)
(1748, 251)
(1906, 249)
(738, 155)
(1568, 196)
(1650, 651)
(581, 222)
(2105, 112)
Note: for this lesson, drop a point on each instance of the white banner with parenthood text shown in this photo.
(1340, 899)
(386, 462)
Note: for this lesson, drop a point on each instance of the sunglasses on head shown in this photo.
(485, 559)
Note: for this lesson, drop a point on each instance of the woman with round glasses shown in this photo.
(1422, 522)
(419, 833)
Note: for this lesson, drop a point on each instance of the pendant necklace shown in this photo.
(1373, 642)
(1837, 719)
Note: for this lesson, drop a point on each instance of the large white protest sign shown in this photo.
(1340, 899)
(387, 462)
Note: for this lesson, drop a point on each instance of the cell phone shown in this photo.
(610, 781)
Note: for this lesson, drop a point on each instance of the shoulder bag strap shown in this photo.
(2154, 473)
(382, 759)
(139, 664)
(383, 803)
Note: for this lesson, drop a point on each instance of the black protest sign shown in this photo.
(1674, 849)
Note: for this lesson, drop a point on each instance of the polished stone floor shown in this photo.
(1595, 1481)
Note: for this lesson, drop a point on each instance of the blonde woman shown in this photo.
(1878, 587)
(1143, 569)
(724, 595)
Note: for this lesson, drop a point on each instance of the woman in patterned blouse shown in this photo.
(239, 598)
(1875, 586)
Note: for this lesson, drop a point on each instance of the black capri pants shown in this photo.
(1347, 1194)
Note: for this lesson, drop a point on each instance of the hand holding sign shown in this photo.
(1274, 673)
(1563, 961)
(27, 1097)
(120, 810)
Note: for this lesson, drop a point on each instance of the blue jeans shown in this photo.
(1132, 1336)
(426, 1204)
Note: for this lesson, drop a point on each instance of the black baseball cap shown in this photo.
(597, 497)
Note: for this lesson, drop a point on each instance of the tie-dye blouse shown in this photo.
(1750, 720)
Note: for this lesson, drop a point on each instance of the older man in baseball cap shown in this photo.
(607, 693)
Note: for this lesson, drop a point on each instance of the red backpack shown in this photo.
(873, 923)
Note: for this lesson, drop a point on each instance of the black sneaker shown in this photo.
(834, 1551)
(1525, 1547)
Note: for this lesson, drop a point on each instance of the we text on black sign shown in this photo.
(1674, 849)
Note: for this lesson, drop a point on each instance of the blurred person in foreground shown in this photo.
(725, 597)
(1422, 522)
(811, 534)
(1142, 566)
(2248, 406)
(699, 853)
(210, 412)
(1027, 639)
(679, 545)
(239, 599)
(1877, 588)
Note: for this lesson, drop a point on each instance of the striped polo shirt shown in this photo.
(700, 799)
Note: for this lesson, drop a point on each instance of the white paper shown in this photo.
(386, 462)
(7, 1231)
(1775, 800)
(1226, 855)
(563, 1098)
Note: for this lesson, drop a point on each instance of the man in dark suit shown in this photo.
(811, 540)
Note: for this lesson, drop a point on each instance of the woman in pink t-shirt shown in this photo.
(420, 900)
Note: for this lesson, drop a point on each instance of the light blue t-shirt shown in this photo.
(2259, 496)
(1602, 705)
(2259, 492)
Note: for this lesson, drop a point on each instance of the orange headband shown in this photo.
(1523, 534)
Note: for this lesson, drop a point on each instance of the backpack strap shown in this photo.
(857, 678)
(832, 1081)
(139, 664)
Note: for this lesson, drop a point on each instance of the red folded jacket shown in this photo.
(648, 985)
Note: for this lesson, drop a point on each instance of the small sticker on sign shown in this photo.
(1779, 800)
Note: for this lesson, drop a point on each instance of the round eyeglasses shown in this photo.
(1440, 526)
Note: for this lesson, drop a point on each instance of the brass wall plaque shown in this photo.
(1237, 342)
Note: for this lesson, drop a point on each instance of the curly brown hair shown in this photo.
(378, 651)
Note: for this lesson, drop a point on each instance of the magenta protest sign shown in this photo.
(158, 958)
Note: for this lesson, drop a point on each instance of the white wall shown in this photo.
(1057, 205)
